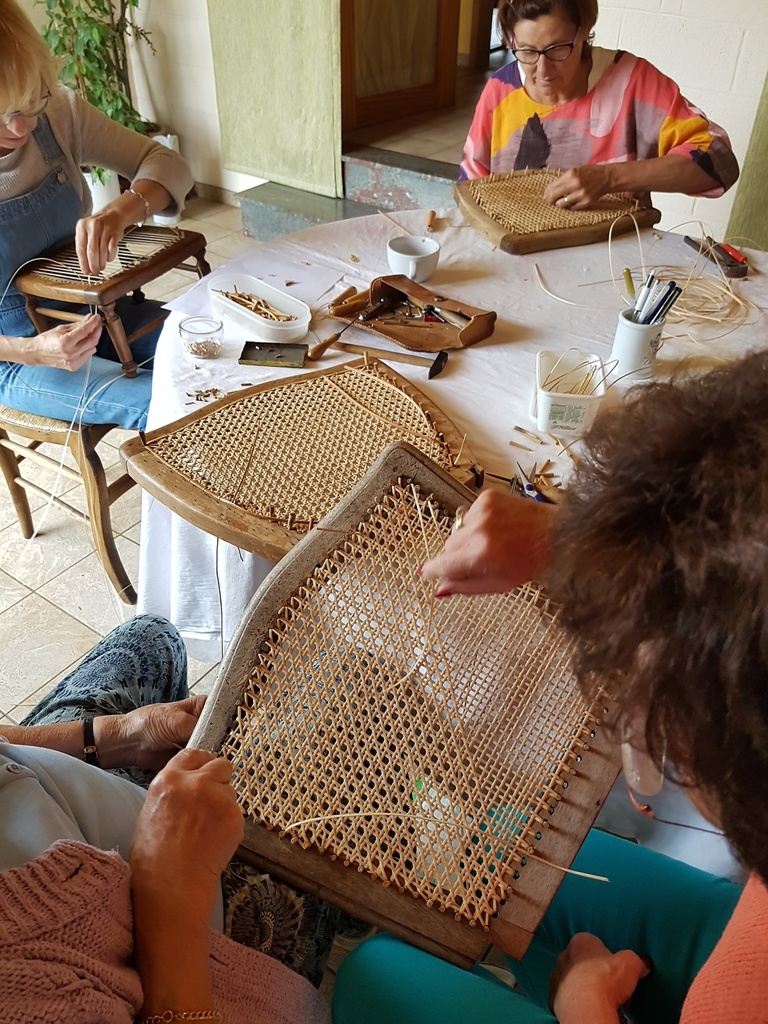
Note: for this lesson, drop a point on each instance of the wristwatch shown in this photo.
(90, 751)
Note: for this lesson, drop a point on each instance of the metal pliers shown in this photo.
(528, 490)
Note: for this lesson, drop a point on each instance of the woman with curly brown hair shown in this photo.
(610, 121)
(658, 557)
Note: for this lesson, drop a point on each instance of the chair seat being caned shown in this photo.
(81, 440)
(422, 763)
(260, 467)
(511, 212)
(143, 255)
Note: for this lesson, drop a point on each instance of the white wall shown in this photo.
(176, 87)
(717, 53)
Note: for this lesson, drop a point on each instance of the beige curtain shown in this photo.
(278, 85)
(749, 215)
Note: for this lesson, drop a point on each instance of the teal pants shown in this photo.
(656, 906)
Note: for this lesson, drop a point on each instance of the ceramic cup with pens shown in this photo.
(415, 256)
(633, 355)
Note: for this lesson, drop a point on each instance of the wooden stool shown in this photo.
(99, 495)
(143, 255)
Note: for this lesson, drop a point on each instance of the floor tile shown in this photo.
(11, 591)
(232, 245)
(85, 592)
(206, 682)
(208, 228)
(229, 217)
(59, 544)
(37, 641)
(134, 533)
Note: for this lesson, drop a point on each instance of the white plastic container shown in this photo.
(259, 326)
(569, 388)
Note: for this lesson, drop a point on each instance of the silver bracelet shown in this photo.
(140, 223)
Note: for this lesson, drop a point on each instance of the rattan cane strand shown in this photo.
(425, 743)
(333, 427)
(133, 249)
(516, 202)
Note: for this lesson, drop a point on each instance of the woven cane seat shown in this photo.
(143, 255)
(510, 210)
(421, 762)
(259, 468)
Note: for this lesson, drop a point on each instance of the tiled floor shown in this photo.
(55, 601)
(438, 136)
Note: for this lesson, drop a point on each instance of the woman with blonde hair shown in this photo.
(47, 133)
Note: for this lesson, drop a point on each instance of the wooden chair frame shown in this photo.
(103, 292)
(99, 495)
(270, 848)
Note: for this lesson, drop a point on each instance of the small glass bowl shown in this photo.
(201, 336)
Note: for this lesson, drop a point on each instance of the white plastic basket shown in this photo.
(259, 326)
(559, 404)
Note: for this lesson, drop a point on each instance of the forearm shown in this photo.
(592, 1012)
(171, 950)
(129, 208)
(17, 350)
(113, 748)
(671, 173)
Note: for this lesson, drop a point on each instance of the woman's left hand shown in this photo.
(591, 983)
(581, 187)
(97, 238)
(147, 737)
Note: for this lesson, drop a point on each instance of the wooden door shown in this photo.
(398, 57)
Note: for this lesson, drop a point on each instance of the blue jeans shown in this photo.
(141, 662)
(654, 905)
(98, 392)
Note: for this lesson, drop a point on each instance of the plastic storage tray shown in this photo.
(259, 326)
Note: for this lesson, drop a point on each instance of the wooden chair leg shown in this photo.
(82, 446)
(203, 266)
(9, 463)
(117, 333)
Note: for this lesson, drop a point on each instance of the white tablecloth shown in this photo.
(203, 585)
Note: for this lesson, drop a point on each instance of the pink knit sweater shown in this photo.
(732, 986)
(65, 951)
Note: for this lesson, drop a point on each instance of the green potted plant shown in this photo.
(89, 36)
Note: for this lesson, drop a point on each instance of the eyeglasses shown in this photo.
(557, 53)
(28, 115)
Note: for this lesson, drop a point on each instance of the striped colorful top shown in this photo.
(630, 112)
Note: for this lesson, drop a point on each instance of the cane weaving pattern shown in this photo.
(134, 248)
(423, 742)
(291, 453)
(516, 202)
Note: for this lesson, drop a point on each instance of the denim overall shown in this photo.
(29, 225)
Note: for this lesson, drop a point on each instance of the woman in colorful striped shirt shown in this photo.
(609, 120)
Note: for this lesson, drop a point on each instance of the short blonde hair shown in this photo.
(28, 69)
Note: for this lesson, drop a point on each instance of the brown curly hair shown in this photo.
(582, 13)
(660, 561)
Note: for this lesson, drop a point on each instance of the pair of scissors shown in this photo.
(529, 491)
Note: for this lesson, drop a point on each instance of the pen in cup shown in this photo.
(668, 303)
(629, 284)
(642, 295)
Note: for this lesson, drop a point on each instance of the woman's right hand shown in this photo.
(503, 542)
(187, 831)
(66, 347)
